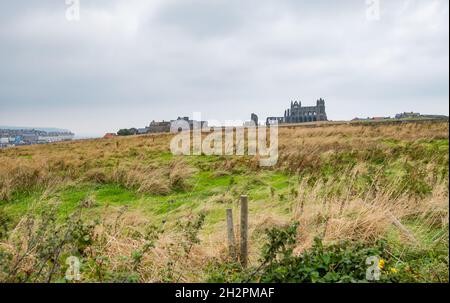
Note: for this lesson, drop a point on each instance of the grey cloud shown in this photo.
(128, 62)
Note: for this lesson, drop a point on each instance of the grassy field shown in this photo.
(133, 212)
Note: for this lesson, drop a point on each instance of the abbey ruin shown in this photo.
(298, 114)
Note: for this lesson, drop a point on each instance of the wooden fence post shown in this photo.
(230, 232)
(244, 231)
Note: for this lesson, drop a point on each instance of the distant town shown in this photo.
(295, 114)
(10, 137)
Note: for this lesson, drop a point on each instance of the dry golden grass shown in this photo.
(332, 207)
(98, 160)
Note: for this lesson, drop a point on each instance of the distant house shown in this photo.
(158, 127)
(109, 136)
(165, 126)
(192, 123)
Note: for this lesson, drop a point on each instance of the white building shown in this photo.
(58, 138)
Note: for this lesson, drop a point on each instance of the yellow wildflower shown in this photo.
(381, 264)
(393, 270)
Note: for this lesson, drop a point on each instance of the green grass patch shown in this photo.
(115, 195)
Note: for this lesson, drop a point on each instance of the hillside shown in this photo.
(131, 211)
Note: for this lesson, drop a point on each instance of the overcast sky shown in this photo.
(127, 62)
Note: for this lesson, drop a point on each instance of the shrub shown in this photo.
(344, 262)
(127, 132)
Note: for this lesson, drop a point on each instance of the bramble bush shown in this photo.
(344, 262)
(39, 247)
